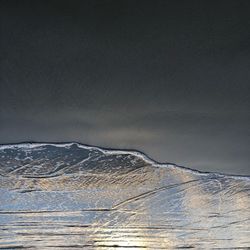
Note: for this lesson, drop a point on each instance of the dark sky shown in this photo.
(169, 78)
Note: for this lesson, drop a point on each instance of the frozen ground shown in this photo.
(64, 196)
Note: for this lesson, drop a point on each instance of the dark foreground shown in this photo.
(66, 196)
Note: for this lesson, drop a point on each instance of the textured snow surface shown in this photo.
(67, 196)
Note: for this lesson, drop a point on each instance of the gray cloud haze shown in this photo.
(170, 78)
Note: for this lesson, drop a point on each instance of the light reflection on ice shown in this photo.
(73, 196)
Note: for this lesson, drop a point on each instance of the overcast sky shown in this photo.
(169, 78)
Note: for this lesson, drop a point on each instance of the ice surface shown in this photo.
(56, 196)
